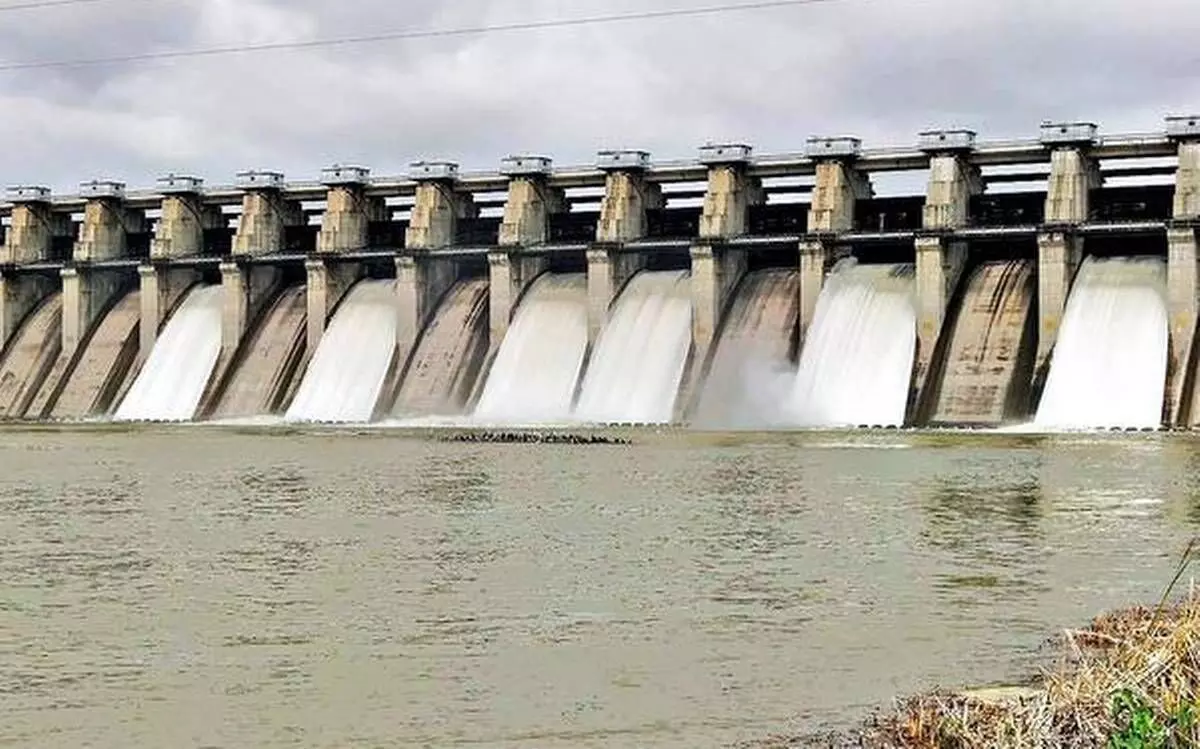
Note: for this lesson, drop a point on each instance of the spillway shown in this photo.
(639, 359)
(173, 379)
(988, 361)
(752, 370)
(535, 372)
(29, 356)
(267, 361)
(1109, 365)
(856, 364)
(446, 361)
(91, 383)
(348, 369)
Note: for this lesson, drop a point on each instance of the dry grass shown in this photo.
(1130, 679)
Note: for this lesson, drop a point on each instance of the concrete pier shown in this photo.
(266, 213)
(532, 200)
(30, 236)
(627, 197)
(349, 211)
(19, 294)
(1074, 174)
(941, 258)
(34, 226)
(839, 186)
(180, 229)
(328, 282)
(717, 268)
(162, 286)
(245, 291)
(422, 277)
(107, 222)
(1183, 271)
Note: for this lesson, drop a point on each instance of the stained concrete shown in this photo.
(245, 291)
(627, 197)
(345, 227)
(180, 230)
(530, 204)
(30, 236)
(838, 187)
(727, 201)
(87, 293)
(266, 213)
(20, 293)
(103, 235)
(437, 208)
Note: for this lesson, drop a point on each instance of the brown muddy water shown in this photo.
(199, 587)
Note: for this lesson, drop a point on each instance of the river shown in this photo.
(207, 587)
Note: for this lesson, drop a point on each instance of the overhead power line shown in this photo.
(35, 4)
(399, 35)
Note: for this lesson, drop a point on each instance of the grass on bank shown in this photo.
(1129, 680)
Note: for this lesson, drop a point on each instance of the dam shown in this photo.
(1053, 280)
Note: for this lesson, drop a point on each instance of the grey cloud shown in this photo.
(882, 69)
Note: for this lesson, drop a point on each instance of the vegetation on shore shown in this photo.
(1129, 680)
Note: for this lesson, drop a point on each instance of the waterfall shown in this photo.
(635, 370)
(856, 365)
(533, 377)
(1109, 366)
(348, 369)
(173, 379)
(752, 370)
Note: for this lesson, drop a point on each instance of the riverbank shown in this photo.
(1128, 680)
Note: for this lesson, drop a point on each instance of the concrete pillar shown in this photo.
(1183, 287)
(437, 208)
(245, 290)
(87, 293)
(1183, 271)
(266, 212)
(816, 257)
(731, 191)
(162, 287)
(510, 273)
(716, 271)
(531, 202)
(627, 196)
(421, 281)
(180, 230)
(34, 225)
(328, 282)
(1074, 174)
(349, 211)
(106, 222)
(608, 270)
(838, 188)
(19, 294)
(953, 181)
(838, 185)
(1059, 255)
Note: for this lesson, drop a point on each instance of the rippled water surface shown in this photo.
(214, 588)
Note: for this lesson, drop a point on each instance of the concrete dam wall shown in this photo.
(1053, 280)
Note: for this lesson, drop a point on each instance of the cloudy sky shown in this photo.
(880, 69)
